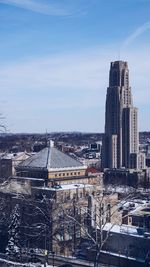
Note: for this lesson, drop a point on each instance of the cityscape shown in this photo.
(74, 158)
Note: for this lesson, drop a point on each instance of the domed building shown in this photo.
(54, 166)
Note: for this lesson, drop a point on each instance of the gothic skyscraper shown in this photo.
(120, 141)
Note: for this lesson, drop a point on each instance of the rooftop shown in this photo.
(123, 229)
(68, 187)
(141, 210)
(52, 159)
(13, 156)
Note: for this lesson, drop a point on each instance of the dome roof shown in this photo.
(50, 158)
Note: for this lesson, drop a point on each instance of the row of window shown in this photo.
(67, 174)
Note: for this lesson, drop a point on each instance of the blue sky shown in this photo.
(55, 57)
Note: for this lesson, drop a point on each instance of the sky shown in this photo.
(55, 57)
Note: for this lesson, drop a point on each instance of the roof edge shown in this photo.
(68, 168)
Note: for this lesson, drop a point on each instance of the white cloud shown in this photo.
(86, 71)
(76, 81)
(82, 71)
(47, 7)
(139, 31)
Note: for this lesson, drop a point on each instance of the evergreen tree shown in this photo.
(13, 249)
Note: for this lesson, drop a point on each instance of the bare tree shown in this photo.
(92, 220)
(13, 249)
(63, 224)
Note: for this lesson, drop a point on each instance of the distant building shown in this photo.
(8, 162)
(141, 161)
(96, 146)
(148, 149)
(139, 216)
(121, 139)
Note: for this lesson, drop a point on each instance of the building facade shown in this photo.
(121, 139)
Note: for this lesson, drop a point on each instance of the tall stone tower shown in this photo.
(120, 141)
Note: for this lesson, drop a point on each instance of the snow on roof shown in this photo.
(120, 189)
(141, 210)
(121, 229)
(27, 178)
(133, 203)
(12, 155)
(68, 187)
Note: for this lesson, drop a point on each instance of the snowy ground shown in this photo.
(12, 263)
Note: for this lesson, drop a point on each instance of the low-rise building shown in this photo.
(56, 168)
(128, 241)
(140, 216)
(9, 161)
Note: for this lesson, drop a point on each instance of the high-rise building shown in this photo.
(121, 139)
